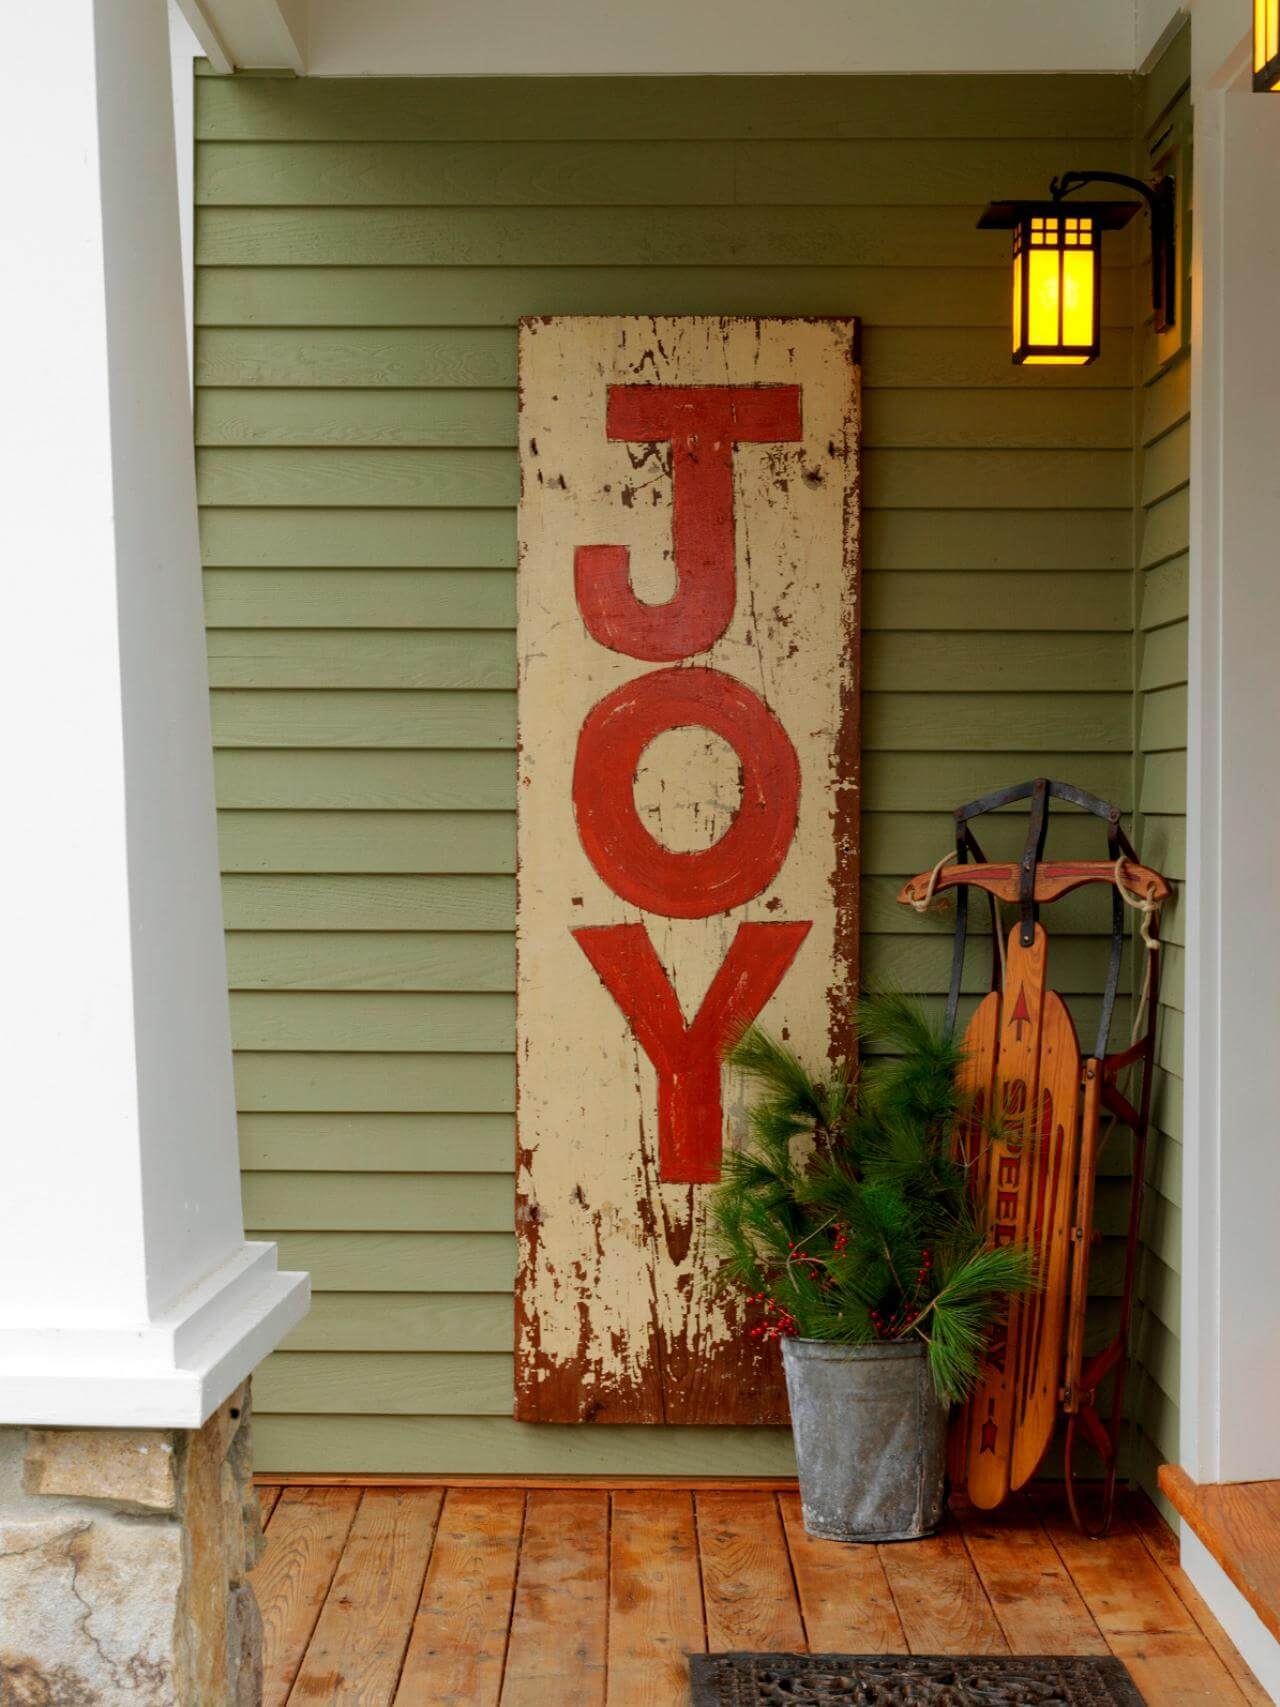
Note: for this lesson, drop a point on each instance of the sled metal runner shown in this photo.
(1032, 1142)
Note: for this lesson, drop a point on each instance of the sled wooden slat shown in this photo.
(1052, 1158)
(1009, 1209)
(977, 1088)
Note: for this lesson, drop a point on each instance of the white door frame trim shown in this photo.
(1230, 1387)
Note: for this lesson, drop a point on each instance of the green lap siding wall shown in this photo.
(364, 251)
(1160, 658)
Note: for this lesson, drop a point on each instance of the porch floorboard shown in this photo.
(479, 1596)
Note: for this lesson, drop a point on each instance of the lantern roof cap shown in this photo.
(1003, 216)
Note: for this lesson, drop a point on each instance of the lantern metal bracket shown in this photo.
(1160, 198)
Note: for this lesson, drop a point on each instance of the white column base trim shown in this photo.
(1258, 1647)
(171, 1372)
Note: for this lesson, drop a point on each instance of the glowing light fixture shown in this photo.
(1057, 265)
(1266, 45)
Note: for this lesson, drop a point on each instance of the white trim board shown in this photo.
(353, 38)
(1231, 1257)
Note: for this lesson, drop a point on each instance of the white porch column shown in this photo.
(128, 1295)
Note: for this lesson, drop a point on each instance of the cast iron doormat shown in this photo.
(879, 1680)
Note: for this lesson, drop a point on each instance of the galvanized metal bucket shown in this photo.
(871, 1439)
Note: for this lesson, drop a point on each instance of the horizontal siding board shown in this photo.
(334, 658)
(930, 538)
(1162, 721)
(1163, 593)
(705, 172)
(622, 108)
(334, 1083)
(892, 722)
(400, 1262)
(380, 1202)
(407, 328)
(489, 479)
(356, 902)
(261, 538)
(336, 599)
(271, 417)
(991, 665)
(1164, 658)
(1006, 722)
(606, 236)
(437, 719)
(452, 961)
(1166, 530)
(499, 1446)
(1166, 465)
(481, 1022)
(375, 416)
(1048, 610)
(342, 603)
(419, 842)
(468, 1384)
(298, 780)
(384, 1143)
(915, 782)
(1166, 402)
(405, 1321)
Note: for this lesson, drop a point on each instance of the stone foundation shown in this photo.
(124, 1558)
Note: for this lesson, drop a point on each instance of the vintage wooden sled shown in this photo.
(1033, 1143)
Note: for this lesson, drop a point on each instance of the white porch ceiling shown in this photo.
(344, 38)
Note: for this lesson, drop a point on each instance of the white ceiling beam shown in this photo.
(250, 35)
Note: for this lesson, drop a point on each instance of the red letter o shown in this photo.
(633, 863)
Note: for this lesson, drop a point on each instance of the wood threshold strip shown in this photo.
(1239, 1524)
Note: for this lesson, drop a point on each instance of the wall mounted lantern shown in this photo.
(1057, 265)
(1266, 45)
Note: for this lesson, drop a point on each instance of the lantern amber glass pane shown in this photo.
(1077, 297)
(1044, 292)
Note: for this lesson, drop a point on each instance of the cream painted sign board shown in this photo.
(688, 821)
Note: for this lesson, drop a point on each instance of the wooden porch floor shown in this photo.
(590, 1596)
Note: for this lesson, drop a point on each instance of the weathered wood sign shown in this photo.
(688, 816)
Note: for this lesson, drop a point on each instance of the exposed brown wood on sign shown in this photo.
(558, 1626)
(305, 1539)
(844, 1594)
(655, 1598)
(458, 1646)
(268, 1494)
(608, 1605)
(688, 822)
(746, 1575)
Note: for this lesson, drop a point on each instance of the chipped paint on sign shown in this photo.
(687, 822)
